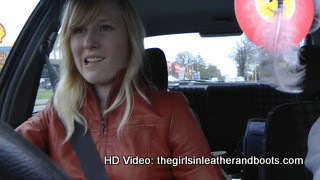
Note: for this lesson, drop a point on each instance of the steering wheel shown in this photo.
(19, 159)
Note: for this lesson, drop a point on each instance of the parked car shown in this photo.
(48, 85)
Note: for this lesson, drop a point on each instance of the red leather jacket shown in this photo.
(164, 130)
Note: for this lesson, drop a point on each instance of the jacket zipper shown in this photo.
(103, 122)
(103, 125)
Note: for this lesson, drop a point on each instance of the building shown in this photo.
(4, 53)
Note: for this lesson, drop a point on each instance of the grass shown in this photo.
(44, 94)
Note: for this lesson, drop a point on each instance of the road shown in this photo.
(40, 104)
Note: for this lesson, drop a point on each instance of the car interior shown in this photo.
(224, 110)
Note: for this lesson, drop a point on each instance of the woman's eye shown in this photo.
(79, 30)
(105, 28)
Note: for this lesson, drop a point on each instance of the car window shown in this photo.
(12, 19)
(192, 57)
(45, 91)
(226, 59)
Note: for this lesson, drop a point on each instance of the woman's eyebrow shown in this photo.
(107, 20)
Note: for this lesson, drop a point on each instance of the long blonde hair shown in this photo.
(71, 90)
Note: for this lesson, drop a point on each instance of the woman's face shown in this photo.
(101, 48)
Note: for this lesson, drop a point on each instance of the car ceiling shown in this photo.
(208, 17)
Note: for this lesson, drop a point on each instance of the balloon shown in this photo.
(275, 25)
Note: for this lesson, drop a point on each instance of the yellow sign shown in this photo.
(2, 32)
(2, 63)
(3, 55)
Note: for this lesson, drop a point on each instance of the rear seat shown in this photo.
(197, 97)
(224, 109)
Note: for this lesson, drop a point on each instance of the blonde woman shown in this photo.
(101, 88)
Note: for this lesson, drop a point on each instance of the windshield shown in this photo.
(191, 57)
(227, 59)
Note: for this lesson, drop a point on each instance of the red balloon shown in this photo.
(274, 27)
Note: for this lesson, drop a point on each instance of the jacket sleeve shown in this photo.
(35, 129)
(186, 140)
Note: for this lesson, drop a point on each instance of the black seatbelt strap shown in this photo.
(45, 50)
(87, 154)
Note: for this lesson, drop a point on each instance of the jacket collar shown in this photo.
(114, 89)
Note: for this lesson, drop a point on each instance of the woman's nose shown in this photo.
(90, 41)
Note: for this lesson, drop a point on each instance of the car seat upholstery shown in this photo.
(288, 125)
(230, 106)
(198, 102)
(224, 109)
(155, 68)
(309, 56)
(286, 136)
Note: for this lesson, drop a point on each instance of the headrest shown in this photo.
(155, 68)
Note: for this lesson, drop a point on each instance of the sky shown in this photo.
(213, 50)
(13, 15)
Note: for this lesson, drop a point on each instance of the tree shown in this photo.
(242, 54)
(210, 72)
(185, 58)
(200, 66)
(193, 64)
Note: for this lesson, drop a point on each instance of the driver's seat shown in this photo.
(155, 68)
